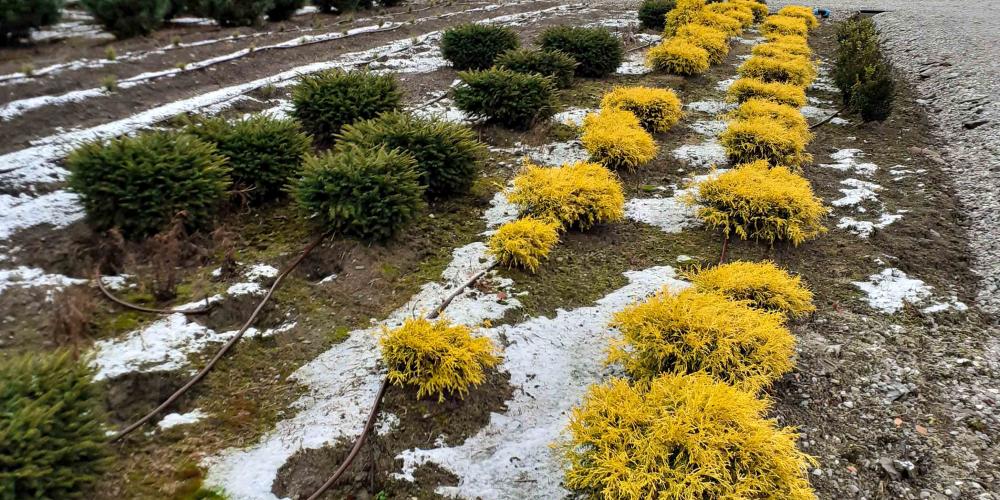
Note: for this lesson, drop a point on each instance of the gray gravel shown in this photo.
(950, 50)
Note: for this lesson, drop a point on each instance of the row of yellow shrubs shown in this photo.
(686, 422)
(697, 35)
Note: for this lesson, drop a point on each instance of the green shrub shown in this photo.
(326, 101)
(18, 17)
(52, 437)
(283, 9)
(362, 193)
(553, 64)
(264, 153)
(653, 13)
(448, 154)
(861, 71)
(341, 6)
(476, 46)
(596, 50)
(139, 184)
(514, 100)
(235, 12)
(128, 18)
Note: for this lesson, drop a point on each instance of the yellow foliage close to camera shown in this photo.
(716, 42)
(680, 437)
(436, 357)
(790, 69)
(762, 284)
(721, 22)
(759, 10)
(615, 138)
(657, 109)
(781, 50)
(787, 115)
(684, 12)
(782, 93)
(524, 242)
(764, 138)
(802, 12)
(678, 56)
(759, 202)
(577, 195)
(693, 331)
(741, 13)
(784, 25)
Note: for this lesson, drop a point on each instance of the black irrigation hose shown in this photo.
(107, 293)
(373, 414)
(218, 355)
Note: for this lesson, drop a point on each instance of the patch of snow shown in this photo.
(29, 277)
(258, 272)
(724, 85)
(846, 160)
(672, 214)
(817, 113)
(387, 422)
(553, 154)
(864, 228)
(856, 192)
(634, 64)
(500, 212)
(116, 282)
(175, 419)
(344, 380)
(245, 289)
(888, 290)
(711, 107)
(551, 362)
(443, 110)
(706, 154)
(58, 208)
(161, 346)
(708, 127)
(573, 116)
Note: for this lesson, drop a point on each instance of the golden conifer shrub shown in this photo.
(784, 25)
(790, 69)
(437, 358)
(802, 12)
(615, 138)
(783, 113)
(694, 331)
(741, 13)
(764, 138)
(657, 109)
(678, 56)
(796, 40)
(758, 9)
(759, 202)
(722, 22)
(680, 437)
(783, 93)
(781, 49)
(524, 242)
(578, 195)
(762, 284)
(714, 41)
(683, 13)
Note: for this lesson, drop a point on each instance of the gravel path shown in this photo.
(950, 50)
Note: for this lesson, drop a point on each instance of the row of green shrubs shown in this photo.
(128, 18)
(381, 165)
(862, 72)
(516, 87)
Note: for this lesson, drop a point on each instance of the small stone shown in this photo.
(975, 123)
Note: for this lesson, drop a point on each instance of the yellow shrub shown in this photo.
(524, 242)
(695, 331)
(784, 25)
(792, 69)
(741, 13)
(763, 284)
(716, 42)
(682, 13)
(721, 22)
(680, 438)
(678, 56)
(798, 40)
(763, 138)
(436, 358)
(804, 13)
(787, 115)
(657, 109)
(615, 138)
(756, 201)
(577, 195)
(781, 50)
(783, 93)
(759, 10)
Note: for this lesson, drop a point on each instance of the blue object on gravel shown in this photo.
(824, 13)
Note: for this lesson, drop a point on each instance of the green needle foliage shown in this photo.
(139, 184)
(326, 101)
(513, 100)
(283, 9)
(52, 436)
(596, 50)
(560, 67)
(235, 12)
(653, 13)
(18, 17)
(476, 46)
(128, 18)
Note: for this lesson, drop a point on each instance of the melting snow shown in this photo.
(58, 208)
(708, 127)
(865, 228)
(27, 277)
(551, 362)
(711, 107)
(856, 192)
(573, 116)
(501, 211)
(553, 154)
(705, 154)
(175, 419)
(845, 160)
(888, 290)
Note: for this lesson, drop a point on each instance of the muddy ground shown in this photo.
(898, 405)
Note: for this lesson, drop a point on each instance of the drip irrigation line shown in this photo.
(128, 305)
(225, 348)
(373, 414)
(827, 119)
